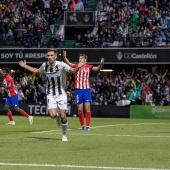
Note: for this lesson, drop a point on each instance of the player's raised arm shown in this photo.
(27, 67)
(66, 59)
(99, 66)
(75, 70)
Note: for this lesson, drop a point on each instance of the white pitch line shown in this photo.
(138, 124)
(48, 131)
(76, 166)
(94, 127)
(136, 136)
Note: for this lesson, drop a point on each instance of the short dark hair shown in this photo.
(84, 55)
(6, 69)
(51, 49)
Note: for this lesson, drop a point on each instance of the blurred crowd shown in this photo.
(129, 23)
(24, 23)
(120, 23)
(143, 86)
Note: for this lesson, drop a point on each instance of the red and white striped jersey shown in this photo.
(9, 81)
(82, 80)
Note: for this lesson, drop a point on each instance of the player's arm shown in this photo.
(99, 66)
(66, 59)
(75, 70)
(6, 85)
(27, 67)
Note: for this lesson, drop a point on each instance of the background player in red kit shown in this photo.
(12, 98)
(82, 87)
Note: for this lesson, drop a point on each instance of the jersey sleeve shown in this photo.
(42, 68)
(65, 66)
(90, 66)
(4, 83)
(7, 82)
(75, 65)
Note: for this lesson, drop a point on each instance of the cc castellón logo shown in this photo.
(119, 55)
(132, 56)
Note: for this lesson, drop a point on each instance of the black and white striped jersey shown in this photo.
(56, 77)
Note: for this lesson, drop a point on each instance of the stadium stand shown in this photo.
(131, 23)
(143, 86)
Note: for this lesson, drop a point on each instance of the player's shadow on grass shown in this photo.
(43, 139)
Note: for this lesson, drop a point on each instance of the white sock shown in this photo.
(64, 128)
(58, 115)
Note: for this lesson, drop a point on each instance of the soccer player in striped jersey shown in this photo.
(55, 72)
(12, 98)
(82, 87)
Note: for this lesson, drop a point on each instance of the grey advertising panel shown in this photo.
(112, 56)
(97, 110)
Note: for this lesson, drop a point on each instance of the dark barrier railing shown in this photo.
(103, 111)
(106, 111)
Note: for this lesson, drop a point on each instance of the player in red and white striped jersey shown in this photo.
(82, 77)
(82, 87)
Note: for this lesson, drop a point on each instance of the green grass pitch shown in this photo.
(119, 144)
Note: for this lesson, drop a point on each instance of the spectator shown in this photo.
(108, 41)
(64, 5)
(9, 35)
(18, 36)
(39, 38)
(46, 5)
(132, 41)
(89, 41)
(56, 16)
(157, 96)
(166, 101)
(21, 97)
(97, 42)
(3, 35)
(131, 96)
(43, 98)
(79, 41)
(101, 100)
(28, 43)
(35, 97)
(3, 95)
(139, 41)
(168, 39)
(79, 6)
(148, 98)
(28, 96)
(51, 22)
(51, 42)
(71, 5)
(59, 42)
